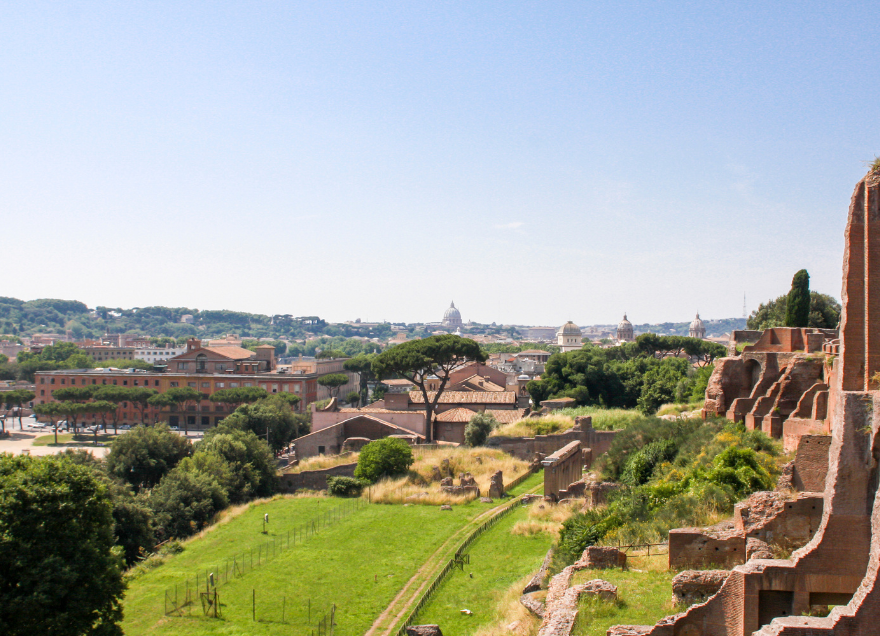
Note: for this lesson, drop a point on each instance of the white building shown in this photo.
(569, 337)
(158, 354)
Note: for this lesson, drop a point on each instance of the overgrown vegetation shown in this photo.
(651, 371)
(674, 473)
(341, 486)
(418, 485)
(478, 429)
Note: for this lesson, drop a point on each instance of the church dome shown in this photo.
(697, 328)
(452, 313)
(569, 329)
(623, 324)
(624, 330)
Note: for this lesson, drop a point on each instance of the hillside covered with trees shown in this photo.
(24, 318)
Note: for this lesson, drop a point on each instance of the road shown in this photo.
(20, 441)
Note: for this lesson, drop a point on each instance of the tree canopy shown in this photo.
(417, 360)
(333, 381)
(145, 454)
(824, 313)
(270, 414)
(797, 307)
(61, 574)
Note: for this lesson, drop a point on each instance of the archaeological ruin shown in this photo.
(803, 384)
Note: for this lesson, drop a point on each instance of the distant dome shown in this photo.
(569, 329)
(624, 330)
(452, 317)
(697, 328)
(522, 377)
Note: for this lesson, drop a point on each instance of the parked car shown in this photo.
(125, 427)
(174, 428)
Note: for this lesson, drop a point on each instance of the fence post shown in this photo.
(254, 604)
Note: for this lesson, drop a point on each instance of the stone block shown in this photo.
(424, 630)
(600, 557)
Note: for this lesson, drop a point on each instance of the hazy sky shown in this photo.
(536, 162)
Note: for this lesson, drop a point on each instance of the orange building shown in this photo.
(204, 414)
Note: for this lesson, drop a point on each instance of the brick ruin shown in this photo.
(779, 384)
(840, 565)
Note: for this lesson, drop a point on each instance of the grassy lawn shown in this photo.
(644, 596)
(69, 439)
(497, 560)
(360, 563)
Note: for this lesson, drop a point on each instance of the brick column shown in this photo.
(872, 280)
(852, 324)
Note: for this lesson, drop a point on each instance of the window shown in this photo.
(157, 382)
(206, 385)
(219, 366)
(219, 385)
(114, 382)
(103, 381)
(233, 385)
(191, 384)
(124, 383)
(173, 420)
(249, 384)
(296, 388)
(52, 381)
(42, 391)
(63, 381)
(320, 450)
(285, 388)
(274, 388)
(181, 366)
(206, 421)
(175, 384)
(201, 362)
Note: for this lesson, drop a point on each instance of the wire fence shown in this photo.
(188, 592)
(645, 547)
(459, 559)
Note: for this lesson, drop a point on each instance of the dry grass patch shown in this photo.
(545, 518)
(531, 426)
(418, 487)
(320, 462)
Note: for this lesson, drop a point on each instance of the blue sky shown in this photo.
(536, 162)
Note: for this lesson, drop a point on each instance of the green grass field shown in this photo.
(644, 596)
(497, 560)
(69, 439)
(359, 563)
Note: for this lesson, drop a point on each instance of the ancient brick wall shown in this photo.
(314, 479)
(562, 468)
(694, 548)
(811, 463)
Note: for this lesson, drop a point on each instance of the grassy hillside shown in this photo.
(359, 563)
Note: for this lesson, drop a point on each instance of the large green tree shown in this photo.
(184, 502)
(145, 454)
(270, 415)
(333, 381)
(418, 360)
(59, 572)
(797, 308)
(363, 366)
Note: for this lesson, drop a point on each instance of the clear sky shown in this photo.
(536, 162)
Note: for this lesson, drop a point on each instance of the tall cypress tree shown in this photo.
(797, 309)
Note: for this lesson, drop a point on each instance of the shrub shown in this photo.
(341, 486)
(478, 429)
(383, 458)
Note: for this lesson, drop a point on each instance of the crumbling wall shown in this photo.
(697, 548)
(313, 479)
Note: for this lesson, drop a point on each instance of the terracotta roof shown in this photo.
(476, 382)
(462, 414)
(466, 397)
(367, 411)
(507, 416)
(397, 382)
(234, 353)
(456, 415)
(534, 351)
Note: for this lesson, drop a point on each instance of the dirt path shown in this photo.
(403, 602)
